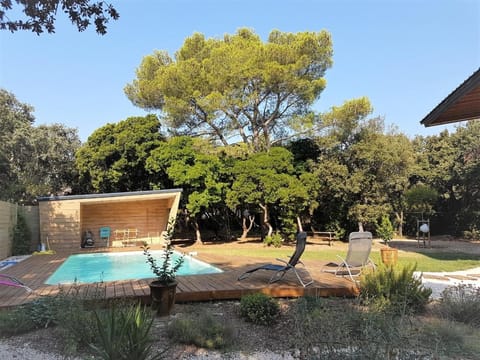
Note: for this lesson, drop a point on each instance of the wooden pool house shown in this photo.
(106, 220)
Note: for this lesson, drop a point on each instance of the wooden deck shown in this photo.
(35, 270)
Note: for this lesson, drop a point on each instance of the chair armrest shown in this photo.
(342, 262)
(282, 261)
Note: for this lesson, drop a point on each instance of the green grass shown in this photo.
(436, 262)
(430, 261)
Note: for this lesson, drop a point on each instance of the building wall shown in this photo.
(60, 224)
(148, 219)
(7, 223)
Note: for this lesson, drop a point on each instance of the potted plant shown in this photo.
(388, 254)
(163, 288)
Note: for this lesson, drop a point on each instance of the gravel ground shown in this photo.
(11, 351)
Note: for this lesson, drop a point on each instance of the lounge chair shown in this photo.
(281, 270)
(11, 281)
(358, 256)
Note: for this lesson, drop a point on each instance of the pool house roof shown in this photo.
(461, 105)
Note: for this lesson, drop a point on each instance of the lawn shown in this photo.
(429, 260)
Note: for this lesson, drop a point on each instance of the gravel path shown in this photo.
(26, 352)
(9, 351)
(439, 281)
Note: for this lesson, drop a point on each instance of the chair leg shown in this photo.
(350, 274)
(347, 268)
(277, 276)
(304, 284)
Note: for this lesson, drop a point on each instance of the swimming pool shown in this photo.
(97, 267)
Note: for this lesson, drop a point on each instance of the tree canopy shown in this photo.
(34, 161)
(238, 88)
(197, 167)
(40, 16)
(266, 180)
(114, 156)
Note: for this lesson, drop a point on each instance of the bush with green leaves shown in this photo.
(259, 309)
(70, 313)
(21, 237)
(385, 229)
(14, 322)
(472, 234)
(274, 240)
(335, 227)
(395, 289)
(460, 303)
(203, 331)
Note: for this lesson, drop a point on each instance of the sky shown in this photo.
(405, 56)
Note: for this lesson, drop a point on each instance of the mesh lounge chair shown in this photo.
(11, 281)
(358, 256)
(281, 270)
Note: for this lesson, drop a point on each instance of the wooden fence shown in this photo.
(8, 220)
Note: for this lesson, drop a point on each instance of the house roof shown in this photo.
(137, 194)
(462, 104)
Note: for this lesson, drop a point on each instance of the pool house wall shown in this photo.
(131, 216)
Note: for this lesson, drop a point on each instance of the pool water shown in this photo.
(98, 267)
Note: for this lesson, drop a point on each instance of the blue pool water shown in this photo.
(90, 268)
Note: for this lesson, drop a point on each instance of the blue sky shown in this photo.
(405, 56)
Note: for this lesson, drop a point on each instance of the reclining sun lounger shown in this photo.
(11, 281)
(358, 257)
(281, 270)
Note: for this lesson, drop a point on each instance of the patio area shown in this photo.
(35, 270)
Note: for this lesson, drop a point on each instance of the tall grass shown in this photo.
(460, 303)
(203, 330)
(336, 329)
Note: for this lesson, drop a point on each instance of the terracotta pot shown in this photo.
(163, 297)
(389, 255)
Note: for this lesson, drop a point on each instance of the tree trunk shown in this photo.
(360, 226)
(198, 235)
(246, 228)
(399, 217)
(299, 223)
(266, 220)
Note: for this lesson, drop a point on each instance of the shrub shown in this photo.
(274, 240)
(21, 237)
(43, 311)
(335, 227)
(394, 289)
(385, 229)
(472, 234)
(124, 333)
(461, 303)
(15, 321)
(259, 309)
(204, 331)
(449, 340)
(69, 312)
